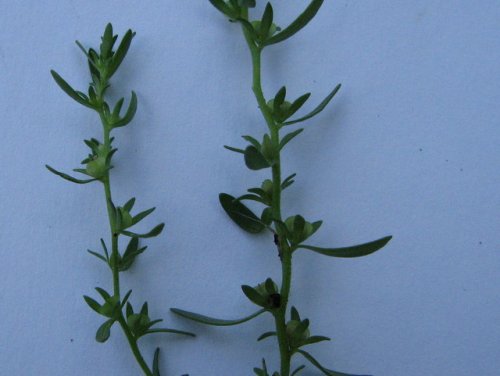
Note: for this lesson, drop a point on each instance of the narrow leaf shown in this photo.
(121, 51)
(326, 371)
(294, 314)
(79, 97)
(156, 358)
(298, 24)
(129, 115)
(314, 339)
(154, 232)
(266, 22)
(173, 331)
(266, 335)
(92, 304)
(236, 150)
(129, 205)
(139, 217)
(222, 7)
(68, 177)
(285, 140)
(318, 109)
(297, 370)
(252, 140)
(354, 251)
(240, 214)
(213, 321)
(253, 295)
(99, 256)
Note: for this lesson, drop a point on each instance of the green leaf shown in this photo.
(297, 370)
(139, 217)
(213, 321)
(318, 109)
(253, 295)
(154, 232)
(314, 339)
(279, 98)
(266, 335)
(103, 332)
(298, 24)
(129, 204)
(125, 298)
(254, 159)
(354, 251)
(77, 96)
(156, 358)
(69, 178)
(288, 182)
(173, 331)
(92, 304)
(326, 371)
(99, 256)
(253, 141)
(266, 22)
(249, 29)
(107, 41)
(298, 103)
(285, 140)
(120, 53)
(129, 115)
(236, 150)
(222, 7)
(240, 214)
(294, 314)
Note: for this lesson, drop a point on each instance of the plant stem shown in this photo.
(283, 247)
(115, 254)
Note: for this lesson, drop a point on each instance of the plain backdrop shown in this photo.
(409, 147)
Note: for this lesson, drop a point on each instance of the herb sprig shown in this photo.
(289, 234)
(115, 308)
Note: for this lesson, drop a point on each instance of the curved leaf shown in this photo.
(129, 115)
(68, 177)
(354, 251)
(266, 335)
(318, 109)
(326, 371)
(298, 24)
(156, 358)
(173, 331)
(77, 96)
(297, 370)
(154, 232)
(240, 214)
(213, 321)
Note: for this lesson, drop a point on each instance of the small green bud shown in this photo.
(126, 218)
(97, 168)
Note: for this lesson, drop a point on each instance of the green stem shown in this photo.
(284, 249)
(115, 254)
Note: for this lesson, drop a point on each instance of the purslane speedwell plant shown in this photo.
(115, 308)
(289, 234)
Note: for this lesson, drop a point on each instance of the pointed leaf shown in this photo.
(298, 24)
(99, 256)
(285, 140)
(252, 140)
(314, 339)
(139, 217)
(103, 332)
(120, 53)
(173, 331)
(266, 335)
(236, 150)
(326, 371)
(154, 232)
(318, 109)
(294, 314)
(213, 321)
(77, 96)
(92, 304)
(354, 251)
(288, 182)
(129, 115)
(240, 214)
(69, 178)
(297, 370)
(266, 22)
(222, 7)
(254, 296)
(129, 205)
(156, 358)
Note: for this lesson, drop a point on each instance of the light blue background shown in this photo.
(410, 147)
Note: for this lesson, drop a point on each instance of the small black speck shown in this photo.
(446, 160)
(461, 169)
(420, 149)
(480, 243)
(71, 340)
